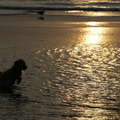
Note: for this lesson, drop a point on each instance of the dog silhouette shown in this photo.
(12, 75)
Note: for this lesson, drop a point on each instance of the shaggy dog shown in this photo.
(9, 77)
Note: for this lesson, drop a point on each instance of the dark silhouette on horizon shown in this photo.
(41, 12)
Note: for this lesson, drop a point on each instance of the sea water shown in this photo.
(61, 7)
(74, 77)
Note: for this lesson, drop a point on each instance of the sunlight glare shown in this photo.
(92, 23)
(93, 37)
(73, 11)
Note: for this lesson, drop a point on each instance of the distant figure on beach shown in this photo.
(12, 75)
(41, 12)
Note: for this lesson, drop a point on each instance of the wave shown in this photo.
(61, 8)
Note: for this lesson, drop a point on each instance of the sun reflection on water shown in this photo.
(93, 35)
(82, 77)
(92, 23)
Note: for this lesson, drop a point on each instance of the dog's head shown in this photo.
(20, 64)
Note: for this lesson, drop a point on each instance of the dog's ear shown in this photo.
(17, 63)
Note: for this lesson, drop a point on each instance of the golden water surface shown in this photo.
(74, 76)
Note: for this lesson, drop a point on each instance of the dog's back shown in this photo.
(6, 79)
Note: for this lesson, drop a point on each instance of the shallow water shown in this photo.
(73, 80)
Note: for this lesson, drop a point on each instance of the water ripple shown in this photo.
(82, 77)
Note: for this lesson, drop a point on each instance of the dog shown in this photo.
(12, 75)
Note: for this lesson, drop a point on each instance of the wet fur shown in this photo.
(10, 76)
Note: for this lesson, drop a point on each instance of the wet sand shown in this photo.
(73, 67)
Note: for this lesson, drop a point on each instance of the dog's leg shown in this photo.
(19, 80)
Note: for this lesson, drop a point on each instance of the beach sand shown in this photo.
(73, 66)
